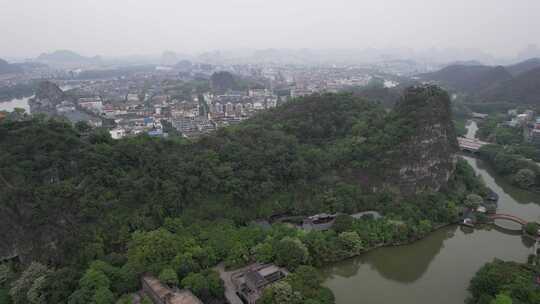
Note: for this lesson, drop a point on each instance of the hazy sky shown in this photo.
(117, 27)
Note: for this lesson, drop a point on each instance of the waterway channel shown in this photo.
(438, 268)
(22, 102)
(10, 105)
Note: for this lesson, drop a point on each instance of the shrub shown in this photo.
(169, 277)
(531, 228)
(524, 178)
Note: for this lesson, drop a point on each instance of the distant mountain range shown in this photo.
(66, 57)
(524, 88)
(517, 83)
(468, 78)
(524, 66)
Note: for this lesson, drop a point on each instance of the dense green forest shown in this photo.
(516, 84)
(510, 154)
(89, 214)
(505, 282)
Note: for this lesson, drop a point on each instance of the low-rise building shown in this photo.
(132, 97)
(321, 221)
(479, 115)
(535, 136)
(251, 281)
(93, 104)
(117, 133)
(161, 294)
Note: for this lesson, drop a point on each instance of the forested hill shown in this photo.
(524, 66)
(516, 83)
(468, 78)
(524, 88)
(68, 195)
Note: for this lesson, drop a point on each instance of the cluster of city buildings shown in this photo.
(526, 120)
(140, 106)
(178, 98)
(193, 116)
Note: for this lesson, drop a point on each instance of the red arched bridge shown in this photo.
(499, 216)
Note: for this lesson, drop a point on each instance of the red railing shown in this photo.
(509, 217)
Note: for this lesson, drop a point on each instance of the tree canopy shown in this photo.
(100, 212)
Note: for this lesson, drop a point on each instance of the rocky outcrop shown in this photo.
(425, 157)
(48, 96)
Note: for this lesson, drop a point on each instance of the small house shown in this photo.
(251, 282)
(161, 294)
(481, 209)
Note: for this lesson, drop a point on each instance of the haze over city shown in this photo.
(126, 27)
(269, 152)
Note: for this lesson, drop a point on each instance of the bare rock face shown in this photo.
(48, 95)
(425, 157)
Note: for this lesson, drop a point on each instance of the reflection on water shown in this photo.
(434, 270)
(10, 105)
(506, 225)
(411, 261)
(438, 268)
(510, 197)
(512, 200)
(506, 230)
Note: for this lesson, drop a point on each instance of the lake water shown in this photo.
(438, 268)
(23, 102)
(15, 103)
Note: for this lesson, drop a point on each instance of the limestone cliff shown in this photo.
(425, 156)
(48, 95)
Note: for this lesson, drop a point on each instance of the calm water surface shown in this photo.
(15, 103)
(438, 268)
(9, 105)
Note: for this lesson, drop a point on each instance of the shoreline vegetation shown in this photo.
(407, 243)
(509, 153)
(517, 162)
(506, 282)
(176, 208)
(512, 166)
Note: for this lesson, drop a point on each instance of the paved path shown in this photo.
(230, 292)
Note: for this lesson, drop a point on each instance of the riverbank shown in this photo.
(416, 273)
(516, 168)
(437, 228)
(511, 152)
(10, 105)
(438, 267)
